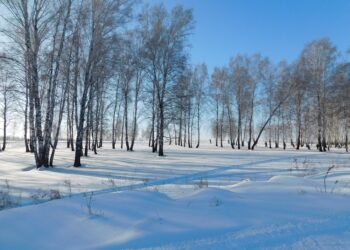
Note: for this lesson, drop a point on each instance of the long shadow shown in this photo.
(96, 174)
(189, 177)
(181, 179)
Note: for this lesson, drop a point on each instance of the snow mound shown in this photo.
(286, 179)
(216, 217)
(241, 183)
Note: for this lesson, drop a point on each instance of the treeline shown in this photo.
(303, 103)
(90, 70)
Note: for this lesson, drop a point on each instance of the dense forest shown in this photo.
(111, 71)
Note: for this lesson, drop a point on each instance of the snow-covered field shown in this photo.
(207, 198)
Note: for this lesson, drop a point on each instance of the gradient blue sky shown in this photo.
(278, 29)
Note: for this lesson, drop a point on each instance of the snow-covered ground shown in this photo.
(207, 198)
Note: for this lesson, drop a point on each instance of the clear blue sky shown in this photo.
(278, 29)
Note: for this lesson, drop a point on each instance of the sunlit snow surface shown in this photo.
(262, 199)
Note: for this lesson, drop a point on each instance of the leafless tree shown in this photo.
(165, 35)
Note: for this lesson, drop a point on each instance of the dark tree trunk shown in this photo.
(26, 141)
(222, 127)
(270, 117)
(5, 122)
(87, 86)
(134, 126)
(100, 143)
(122, 134)
(230, 121)
(126, 121)
(239, 127)
(180, 130)
(198, 126)
(114, 121)
(161, 129)
(217, 122)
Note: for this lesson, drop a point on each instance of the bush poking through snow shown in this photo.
(89, 198)
(42, 195)
(325, 178)
(55, 194)
(334, 185)
(6, 200)
(111, 182)
(202, 183)
(215, 202)
(88, 202)
(38, 196)
(145, 181)
(302, 169)
(68, 184)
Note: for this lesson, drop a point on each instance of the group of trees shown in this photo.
(88, 62)
(88, 70)
(189, 94)
(301, 103)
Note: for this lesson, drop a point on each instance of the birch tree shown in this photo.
(165, 35)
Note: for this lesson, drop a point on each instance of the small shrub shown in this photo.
(334, 185)
(111, 181)
(215, 202)
(202, 183)
(145, 181)
(38, 196)
(68, 184)
(54, 194)
(88, 202)
(6, 200)
(42, 195)
(302, 169)
(302, 191)
(325, 178)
